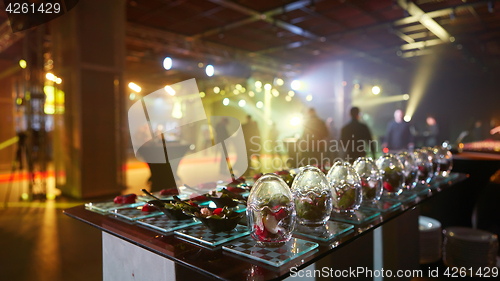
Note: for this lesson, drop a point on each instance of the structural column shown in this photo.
(90, 137)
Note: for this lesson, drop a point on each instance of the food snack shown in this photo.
(125, 199)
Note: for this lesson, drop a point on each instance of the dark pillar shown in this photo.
(89, 56)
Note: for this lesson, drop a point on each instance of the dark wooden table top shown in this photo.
(220, 264)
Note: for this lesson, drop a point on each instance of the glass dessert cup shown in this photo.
(393, 177)
(443, 161)
(424, 163)
(312, 196)
(347, 195)
(271, 214)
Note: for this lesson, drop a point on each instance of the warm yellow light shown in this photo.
(259, 104)
(296, 85)
(50, 76)
(309, 97)
(288, 98)
(243, 90)
(258, 90)
(295, 121)
(356, 86)
(238, 86)
(268, 87)
(19, 101)
(242, 103)
(407, 118)
(258, 84)
(376, 90)
(251, 94)
(225, 101)
(58, 80)
(25, 196)
(279, 82)
(200, 65)
(23, 64)
(275, 92)
(222, 92)
(169, 90)
(134, 87)
(132, 96)
(406, 97)
(202, 94)
(291, 93)
(216, 90)
(236, 92)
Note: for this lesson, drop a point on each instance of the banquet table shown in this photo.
(134, 252)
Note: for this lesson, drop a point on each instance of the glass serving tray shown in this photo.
(356, 217)
(405, 197)
(164, 224)
(381, 206)
(325, 232)
(275, 256)
(105, 207)
(422, 189)
(134, 213)
(202, 234)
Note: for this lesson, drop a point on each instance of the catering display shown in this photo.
(410, 171)
(276, 218)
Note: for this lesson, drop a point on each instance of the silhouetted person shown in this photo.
(356, 137)
(431, 131)
(398, 135)
(315, 134)
(251, 134)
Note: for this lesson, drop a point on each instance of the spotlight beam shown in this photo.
(379, 100)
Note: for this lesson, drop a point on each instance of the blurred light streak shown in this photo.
(425, 71)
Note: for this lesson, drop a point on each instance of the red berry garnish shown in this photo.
(170, 191)
(281, 214)
(388, 186)
(147, 209)
(257, 176)
(217, 211)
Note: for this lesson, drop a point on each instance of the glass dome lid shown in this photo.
(410, 169)
(392, 172)
(371, 180)
(346, 187)
(312, 195)
(271, 214)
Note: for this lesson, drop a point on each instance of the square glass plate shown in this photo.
(164, 224)
(325, 232)
(105, 207)
(405, 197)
(202, 234)
(135, 213)
(381, 206)
(356, 217)
(275, 256)
(422, 189)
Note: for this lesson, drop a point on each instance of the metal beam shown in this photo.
(425, 19)
(254, 15)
